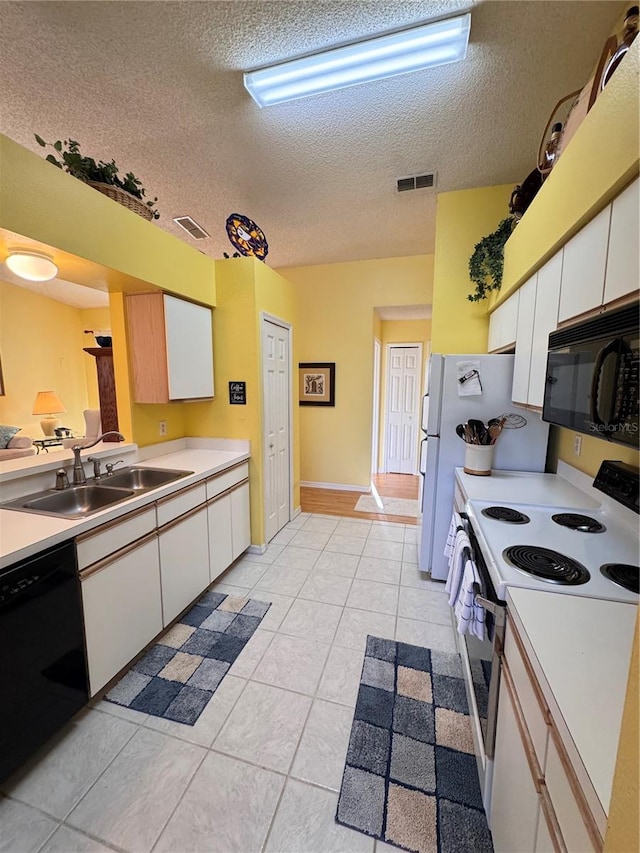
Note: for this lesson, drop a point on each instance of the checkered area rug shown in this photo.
(410, 777)
(181, 672)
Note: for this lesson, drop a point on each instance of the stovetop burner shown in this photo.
(623, 574)
(574, 521)
(505, 513)
(547, 565)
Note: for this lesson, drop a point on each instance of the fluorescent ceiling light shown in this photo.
(33, 266)
(375, 59)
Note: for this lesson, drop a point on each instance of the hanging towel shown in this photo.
(470, 616)
(456, 524)
(456, 561)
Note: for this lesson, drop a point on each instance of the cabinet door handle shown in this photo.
(94, 568)
(532, 760)
(227, 491)
(174, 521)
(550, 818)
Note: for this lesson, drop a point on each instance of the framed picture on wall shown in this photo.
(1, 382)
(317, 383)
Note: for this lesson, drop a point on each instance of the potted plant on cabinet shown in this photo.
(102, 176)
(487, 261)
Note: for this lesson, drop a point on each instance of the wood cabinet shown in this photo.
(139, 572)
(537, 803)
(537, 317)
(229, 519)
(503, 324)
(170, 348)
(585, 259)
(184, 561)
(122, 608)
(622, 276)
(515, 806)
(524, 341)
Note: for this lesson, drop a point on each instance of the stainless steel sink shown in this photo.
(80, 501)
(76, 502)
(141, 479)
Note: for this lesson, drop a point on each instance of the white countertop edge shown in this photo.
(239, 445)
(33, 533)
(556, 649)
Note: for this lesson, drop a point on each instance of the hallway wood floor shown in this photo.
(339, 502)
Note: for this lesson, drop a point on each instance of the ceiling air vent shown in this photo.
(416, 182)
(191, 227)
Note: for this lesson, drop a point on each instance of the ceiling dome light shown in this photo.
(34, 266)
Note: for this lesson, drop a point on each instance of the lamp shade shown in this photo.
(47, 403)
(32, 266)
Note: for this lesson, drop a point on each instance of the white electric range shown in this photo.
(571, 549)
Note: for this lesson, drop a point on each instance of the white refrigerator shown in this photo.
(523, 449)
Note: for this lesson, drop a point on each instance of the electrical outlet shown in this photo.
(162, 427)
(577, 445)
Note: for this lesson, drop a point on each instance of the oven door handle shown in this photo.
(483, 602)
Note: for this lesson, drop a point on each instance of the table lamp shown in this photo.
(48, 403)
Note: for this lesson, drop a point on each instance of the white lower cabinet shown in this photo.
(240, 520)
(122, 608)
(184, 561)
(515, 804)
(220, 543)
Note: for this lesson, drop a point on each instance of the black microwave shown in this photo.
(592, 377)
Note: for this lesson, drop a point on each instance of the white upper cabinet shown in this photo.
(189, 349)
(503, 324)
(585, 259)
(623, 274)
(524, 338)
(170, 348)
(545, 322)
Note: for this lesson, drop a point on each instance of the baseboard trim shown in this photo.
(256, 549)
(295, 513)
(342, 487)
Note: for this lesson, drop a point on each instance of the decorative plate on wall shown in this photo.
(247, 237)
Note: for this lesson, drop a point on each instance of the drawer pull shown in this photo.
(174, 521)
(227, 491)
(532, 760)
(550, 818)
(94, 568)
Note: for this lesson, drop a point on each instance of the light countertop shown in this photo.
(23, 534)
(523, 487)
(583, 647)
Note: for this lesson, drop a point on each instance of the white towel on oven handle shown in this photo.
(454, 527)
(455, 553)
(469, 615)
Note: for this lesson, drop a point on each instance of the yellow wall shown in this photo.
(245, 287)
(41, 344)
(42, 203)
(463, 218)
(335, 305)
(593, 451)
(623, 829)
(598, 162)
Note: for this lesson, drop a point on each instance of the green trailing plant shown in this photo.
(487, 261)
(88, 170)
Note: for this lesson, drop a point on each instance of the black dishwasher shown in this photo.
(43, 671)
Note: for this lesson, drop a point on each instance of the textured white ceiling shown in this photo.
(158, 87)
(404, 312)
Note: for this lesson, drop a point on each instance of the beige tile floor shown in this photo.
(261, 768)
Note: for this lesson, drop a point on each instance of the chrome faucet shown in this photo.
(79, 477)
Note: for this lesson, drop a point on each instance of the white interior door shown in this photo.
(276, 371)
(402, 419)
(375, 429)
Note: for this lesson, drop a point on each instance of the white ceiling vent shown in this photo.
(416, 182)
(191, 227)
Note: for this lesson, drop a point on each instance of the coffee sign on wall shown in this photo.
(238, 393)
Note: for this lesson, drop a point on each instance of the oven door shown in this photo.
(482, 657)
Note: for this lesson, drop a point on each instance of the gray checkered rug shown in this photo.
(179, 674)
(410, 777)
